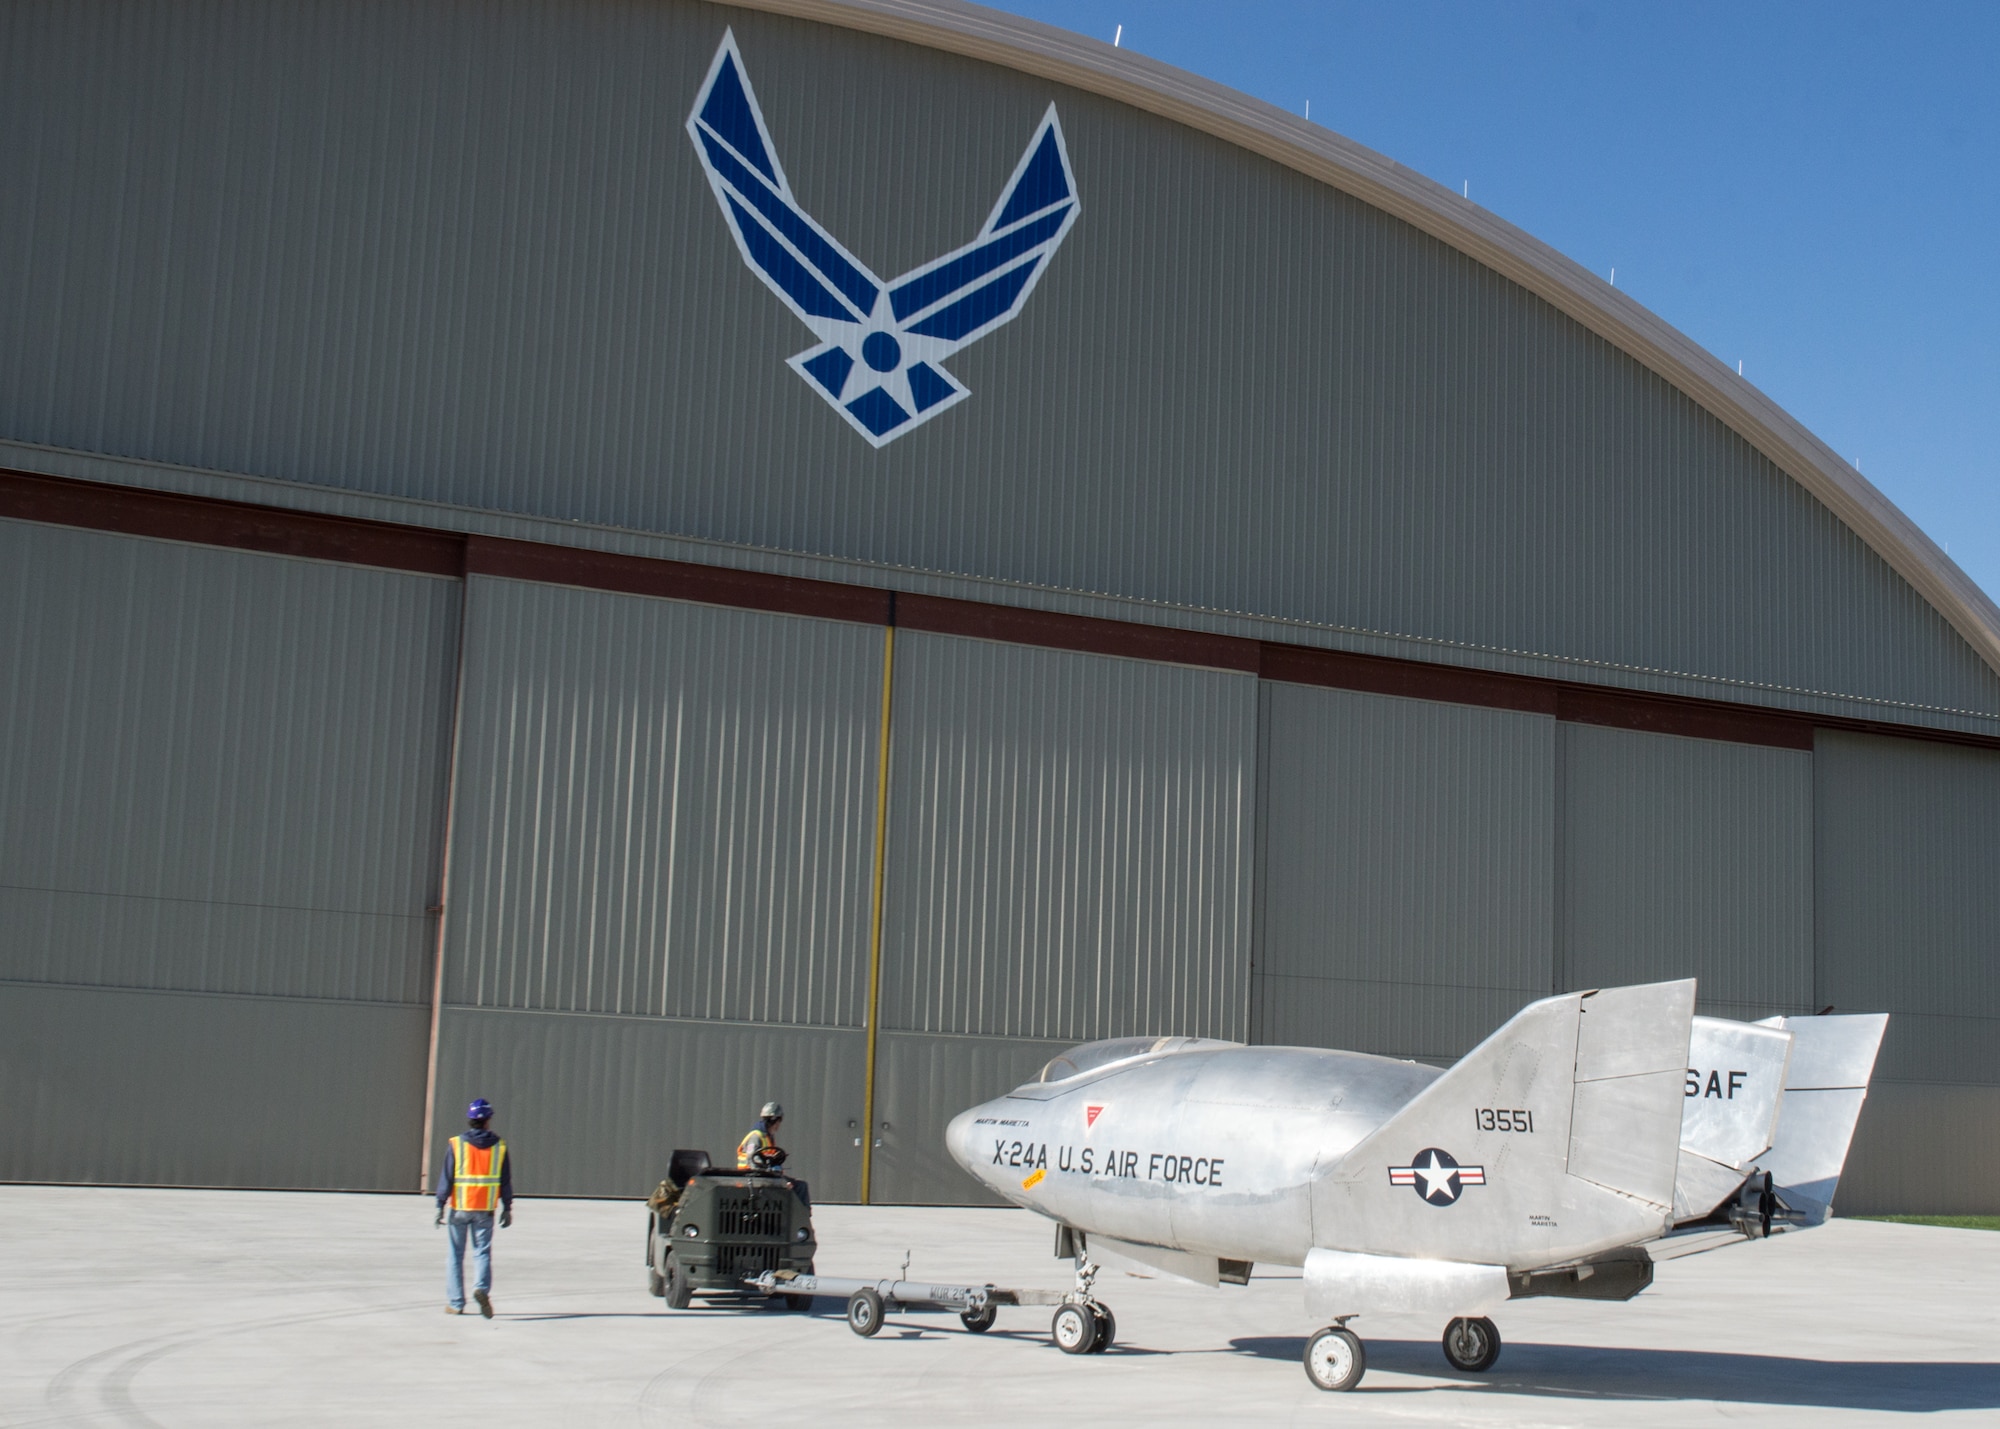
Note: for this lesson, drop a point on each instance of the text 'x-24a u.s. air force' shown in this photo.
(1591, 1136)
(882, 345)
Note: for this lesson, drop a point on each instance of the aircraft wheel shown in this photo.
(864, 1312)
(979, 1321)
(1074, 1329)
(1335, 1359)
(1471, 1344)
(1107, 1327)
(679, 1293)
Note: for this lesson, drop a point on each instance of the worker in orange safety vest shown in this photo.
(759, 1149)
(476, 1180)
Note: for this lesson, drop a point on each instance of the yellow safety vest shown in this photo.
(747, 1149)
(475, 1175)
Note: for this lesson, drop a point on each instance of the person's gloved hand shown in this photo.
(506, 1217)
(440, 1217)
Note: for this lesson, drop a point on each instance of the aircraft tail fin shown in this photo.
(1555, 1138)
(1833, 1059)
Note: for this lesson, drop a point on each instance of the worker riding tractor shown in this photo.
(710, 1230)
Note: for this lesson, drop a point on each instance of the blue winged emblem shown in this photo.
(882, 346)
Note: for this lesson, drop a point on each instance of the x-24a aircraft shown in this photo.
(1591, 1136)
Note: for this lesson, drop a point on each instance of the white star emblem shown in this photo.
(1435, 1177)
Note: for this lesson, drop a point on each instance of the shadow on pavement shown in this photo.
(1590, 1372)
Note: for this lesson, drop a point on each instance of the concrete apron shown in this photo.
(219, 1308)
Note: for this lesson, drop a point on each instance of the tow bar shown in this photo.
(1081, 1325)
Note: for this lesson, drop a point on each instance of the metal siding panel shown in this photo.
(1687, 858)
(1408, 871)
(112, 1086)
(663, 808)
(1924, 1150)
(595, 1104)
(921, 1083)
(221, 771)
(1068, 844)
(446, 251)
(1907, 899)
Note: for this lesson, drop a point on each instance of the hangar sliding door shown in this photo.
(1687, 858)
(1069, 840)
(1405, 858)
(658, 910)
(1908, 902)
(221, 804)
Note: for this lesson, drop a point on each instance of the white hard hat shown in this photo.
(772, 1111)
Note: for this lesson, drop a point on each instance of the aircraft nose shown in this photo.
(958, 1138)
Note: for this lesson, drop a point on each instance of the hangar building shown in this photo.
(505, 590)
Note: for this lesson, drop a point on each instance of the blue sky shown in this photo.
(1811, 189)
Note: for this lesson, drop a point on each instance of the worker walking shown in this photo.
(476, 1180)
(759, 1149)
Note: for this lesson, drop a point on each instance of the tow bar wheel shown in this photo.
(1334, 1359)
(1471, 1345)
(864, 1312)
(1074, 1329)
(978, 1321)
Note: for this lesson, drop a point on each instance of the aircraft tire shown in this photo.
(1335, 1360)
(864, 1312)
(978, 1321)
(1107, 1327)
(1074, 1329)
(1471, 1345)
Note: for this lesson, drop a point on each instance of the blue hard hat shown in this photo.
(480, 1110)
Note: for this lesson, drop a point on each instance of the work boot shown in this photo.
(485, 1303)
(454, 1309)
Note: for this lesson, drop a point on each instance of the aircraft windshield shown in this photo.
(1094, 1055)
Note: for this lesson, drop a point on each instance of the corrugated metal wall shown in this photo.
(664, 812)
(465, 253)
(595, 1105)
(222, 774)
(1907, 899)
(1069, 858)
(1407, 852)
(1687, 858)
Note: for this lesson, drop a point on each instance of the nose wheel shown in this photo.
(1334, 1359)
(1472, 1345)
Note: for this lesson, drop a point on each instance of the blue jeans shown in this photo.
(478, 1225)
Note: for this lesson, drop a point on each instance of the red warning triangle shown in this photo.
(1090, 1114)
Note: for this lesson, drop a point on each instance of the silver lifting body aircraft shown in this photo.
(1591, 1136)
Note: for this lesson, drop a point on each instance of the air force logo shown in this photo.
(881, 345)
(1437, 1176)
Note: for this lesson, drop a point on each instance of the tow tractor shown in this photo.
(710, 1231)
(745, 1236)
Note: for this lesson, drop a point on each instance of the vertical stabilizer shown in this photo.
(1729, 1119)
(1555, 1138)
(1832, 1061)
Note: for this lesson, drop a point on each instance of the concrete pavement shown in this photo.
(226, 1308)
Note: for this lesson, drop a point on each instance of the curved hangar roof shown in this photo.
(1124, 75)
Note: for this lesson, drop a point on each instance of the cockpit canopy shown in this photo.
(1096, 1056)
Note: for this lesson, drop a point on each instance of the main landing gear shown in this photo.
(1471, 1345)
(1335, 1359)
